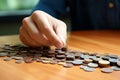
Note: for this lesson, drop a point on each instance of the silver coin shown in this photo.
(7, 59)
(17, 58)
(12, 54)
(107, 70)
(113, 60)
(53, 62)
(68, 65)
(93, 65)
(45, 61)
(3, 54)
(77, 62)
(38, 60)
(88, 69)
(115, 68)
(19, 61)
(83, 66)
(84, 56)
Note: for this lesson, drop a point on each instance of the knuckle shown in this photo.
(36, 13)
(20, 29)
(63, 23)
(25, 20)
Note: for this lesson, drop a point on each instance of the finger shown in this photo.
(47, 29)
(34, 33)
(61, 31)
(25, 38)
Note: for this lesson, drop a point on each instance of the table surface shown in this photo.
(89, 41)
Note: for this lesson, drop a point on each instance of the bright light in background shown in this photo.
(17, 4)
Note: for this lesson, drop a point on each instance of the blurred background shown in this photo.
(11, 14)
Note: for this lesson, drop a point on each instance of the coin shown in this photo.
(82, 56)
(19, 61)
(105, 57)
(113, 56)
(61, 63)
(113, 61)
(17, 57)
(38, 60)
(60, 56)
(60, 52)
(53, 62)
(93, 65)
(118, 63)
(87, 60)
(70, 57)
(3, 54)
(65, 49)
(45, 61)
(104, 63)
(68, 65)
(115, 68)
(7, 59)
(77, 62)
(88, 69)
(28, 60)
(77, 55)
(107, 70)
(82, 66)
(96, 60)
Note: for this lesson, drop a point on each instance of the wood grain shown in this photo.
(88, 41)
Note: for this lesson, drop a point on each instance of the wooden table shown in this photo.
(88, 41)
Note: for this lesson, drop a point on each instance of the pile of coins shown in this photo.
(67, 58)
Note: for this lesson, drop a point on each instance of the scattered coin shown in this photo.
(104, 63)
(53, 62)
(96, 60)
(60, 56)
(19, 61)
(77, 55)
(87, 60)
(88, 69)
(93, 65)
(82, 56)
(68, 65)
(38, 60)
(107, 70)
(7, 59)
(17, 58)
(105, 57)
(3, 54)
(77, 62)
(115, 68)
(45, 62)
(82, 66)
(28, 60)
(70, 57)
(118, 63)
(61, 63)
(113, 61)
(113, 56)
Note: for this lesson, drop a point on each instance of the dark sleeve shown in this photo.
(52, 7)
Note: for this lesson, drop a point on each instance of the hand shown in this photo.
(41, 29)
